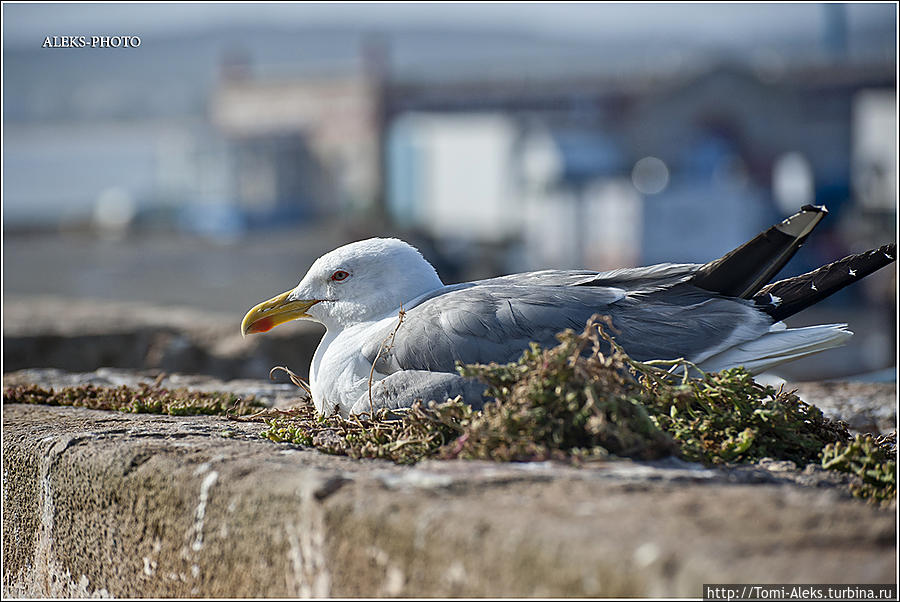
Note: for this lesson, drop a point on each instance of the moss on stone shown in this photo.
(728, 417)
(143, 399)
(872, 460)
(404, 436)
(609, 403)
(559, 402)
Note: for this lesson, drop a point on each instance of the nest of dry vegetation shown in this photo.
(581, 400)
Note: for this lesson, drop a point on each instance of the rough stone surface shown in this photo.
(112, 504)
(866, 407)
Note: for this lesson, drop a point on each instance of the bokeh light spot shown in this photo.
(650, 175)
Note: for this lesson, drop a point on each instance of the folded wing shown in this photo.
(496, 322)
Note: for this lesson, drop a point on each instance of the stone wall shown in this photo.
(112, 504)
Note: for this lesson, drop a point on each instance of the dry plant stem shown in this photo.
(383, 349)
(276, 412)
(266, 413)
(297, 380)
(649, 366)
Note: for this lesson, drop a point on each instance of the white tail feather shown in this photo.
(778, 346)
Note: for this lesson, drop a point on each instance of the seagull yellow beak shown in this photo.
(277, 310)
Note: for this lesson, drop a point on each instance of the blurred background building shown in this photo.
(212, 164)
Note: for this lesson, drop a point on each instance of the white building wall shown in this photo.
(459, 184)
(466, 177)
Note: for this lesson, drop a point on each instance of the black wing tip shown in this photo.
(745, 270)
(786, 297)
(800, 224)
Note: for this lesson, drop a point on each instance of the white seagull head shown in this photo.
(358, 282)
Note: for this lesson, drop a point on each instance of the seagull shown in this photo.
(395, 331)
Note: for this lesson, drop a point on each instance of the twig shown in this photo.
(158, 381)
(647, 368)
(674, 364)
(382, 349)
(298, 381)
(266, 413)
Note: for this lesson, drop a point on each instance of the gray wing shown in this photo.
(643, 279)
(482, 323)
(486, 323)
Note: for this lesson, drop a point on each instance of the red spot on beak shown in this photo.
(264, 325)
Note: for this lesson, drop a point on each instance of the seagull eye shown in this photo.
(340, 275)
